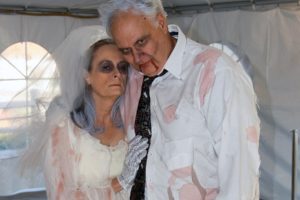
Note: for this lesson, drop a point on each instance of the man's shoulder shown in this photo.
(204, 55)
(195, 47)
(201, 53)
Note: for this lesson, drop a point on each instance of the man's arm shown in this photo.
(230, 109)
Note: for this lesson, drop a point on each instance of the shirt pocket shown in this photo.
(179, 135)
(188, 122)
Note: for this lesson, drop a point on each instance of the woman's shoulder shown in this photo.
(64, 125)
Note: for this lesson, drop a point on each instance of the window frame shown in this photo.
(27, 103)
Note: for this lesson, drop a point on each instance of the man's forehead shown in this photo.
(126, 32)
(131, 41)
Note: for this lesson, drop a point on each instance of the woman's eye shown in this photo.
(123, 67)
(106, 67)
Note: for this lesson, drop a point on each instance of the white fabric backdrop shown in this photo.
(271, 41)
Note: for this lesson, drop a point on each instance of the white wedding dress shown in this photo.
(78, 167)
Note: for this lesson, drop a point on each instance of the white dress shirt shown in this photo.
(205, 128)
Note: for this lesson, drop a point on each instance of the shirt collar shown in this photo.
(174, 62)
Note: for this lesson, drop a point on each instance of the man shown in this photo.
(199, 112)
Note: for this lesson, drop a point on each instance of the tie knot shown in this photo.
(148, 80)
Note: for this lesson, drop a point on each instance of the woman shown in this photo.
(86, 156)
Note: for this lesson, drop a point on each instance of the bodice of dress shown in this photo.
(99, 163)
(77, 166)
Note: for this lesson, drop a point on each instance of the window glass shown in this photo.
(28, 77)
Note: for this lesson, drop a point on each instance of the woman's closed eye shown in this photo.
(106, 67)
(123, 67)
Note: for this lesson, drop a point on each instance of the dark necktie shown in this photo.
(142, 126)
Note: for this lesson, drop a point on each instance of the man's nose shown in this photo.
(136, 56)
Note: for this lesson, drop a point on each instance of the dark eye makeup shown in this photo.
(108, 67)
(123, 67)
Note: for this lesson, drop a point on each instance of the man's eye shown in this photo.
(125, 51)
(141, 42)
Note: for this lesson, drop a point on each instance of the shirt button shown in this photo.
(153, 101)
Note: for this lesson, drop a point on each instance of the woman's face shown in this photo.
(108, 74)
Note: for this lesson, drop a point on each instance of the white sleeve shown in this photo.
(231, 118)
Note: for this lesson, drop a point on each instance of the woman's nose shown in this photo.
(116, 72)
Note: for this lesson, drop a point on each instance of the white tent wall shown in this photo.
(48, 31)
(269, 38)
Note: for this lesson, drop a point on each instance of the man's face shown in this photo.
(146, 45)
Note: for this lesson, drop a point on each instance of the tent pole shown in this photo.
(294, 164)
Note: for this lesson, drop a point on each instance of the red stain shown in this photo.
(252, 134)
(207, 77)
(169, 113)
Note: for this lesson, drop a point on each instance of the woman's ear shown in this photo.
(87, 79)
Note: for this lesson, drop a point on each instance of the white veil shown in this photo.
(71, 61)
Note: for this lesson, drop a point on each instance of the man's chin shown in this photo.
(149, 70)
(149, 73)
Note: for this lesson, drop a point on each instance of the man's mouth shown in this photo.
(141, 66)
(149, 63)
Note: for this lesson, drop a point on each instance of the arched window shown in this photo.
(236, 53)
(27, 72)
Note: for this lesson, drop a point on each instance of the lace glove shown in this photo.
(137, 150)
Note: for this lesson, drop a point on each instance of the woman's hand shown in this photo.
(137, 150)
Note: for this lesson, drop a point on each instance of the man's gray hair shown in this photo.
(148, 8)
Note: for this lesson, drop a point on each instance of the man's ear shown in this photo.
(162, 22)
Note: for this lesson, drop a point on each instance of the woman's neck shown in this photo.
(103, 108)
(111, 134)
